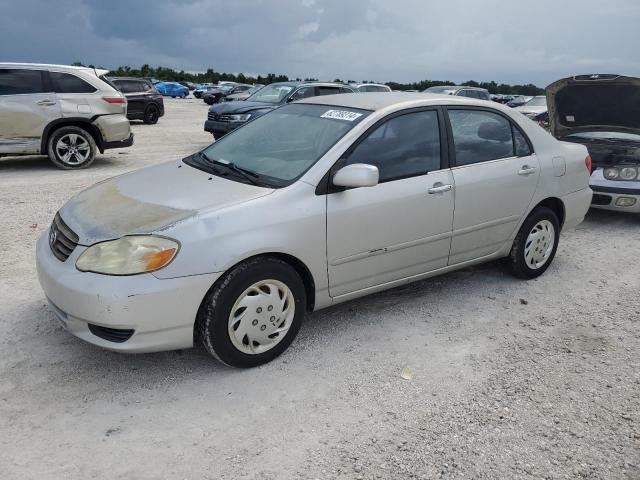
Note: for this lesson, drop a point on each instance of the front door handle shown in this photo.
(46, 103)
(526, 170)
(439, 188)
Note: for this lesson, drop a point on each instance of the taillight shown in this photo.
(115, 99)
(588, 163)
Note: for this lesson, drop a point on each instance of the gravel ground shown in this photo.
(508, 379)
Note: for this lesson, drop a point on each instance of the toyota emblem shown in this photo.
(52, 237)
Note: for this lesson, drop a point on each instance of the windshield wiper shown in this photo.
(246, 174)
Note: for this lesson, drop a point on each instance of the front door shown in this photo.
(25, 110)
(495, 174)
(401, 227)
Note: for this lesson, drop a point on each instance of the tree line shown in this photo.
(211, 76)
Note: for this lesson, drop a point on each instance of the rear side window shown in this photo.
(520, 143)
(481, 136)
(67, 83)
(329, 90)
(404, 146)
(20, 82)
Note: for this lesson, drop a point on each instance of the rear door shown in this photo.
(401, 227)
(27, 106)
(496, 174)
(73, 93)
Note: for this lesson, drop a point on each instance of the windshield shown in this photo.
(283, 144)
(271, 94)
(537, 102)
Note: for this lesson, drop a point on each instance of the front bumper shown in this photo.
(219, 129)
(609, 194)
(161, 313)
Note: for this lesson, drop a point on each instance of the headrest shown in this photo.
(494, 131)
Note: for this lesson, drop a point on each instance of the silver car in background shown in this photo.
(67, 113)
(317, 202)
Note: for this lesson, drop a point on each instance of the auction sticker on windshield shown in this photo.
(341, 115)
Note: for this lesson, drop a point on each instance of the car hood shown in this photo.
(594, 103)
(240, 107)
(151, 200)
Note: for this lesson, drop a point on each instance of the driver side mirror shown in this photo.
(357, 175)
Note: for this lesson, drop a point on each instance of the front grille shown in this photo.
(115, 335)
(601, 199)
(62, 239)
(218, 117)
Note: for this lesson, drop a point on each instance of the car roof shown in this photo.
(299, 83)
(130, 78)
(46, 66)
(379, 100)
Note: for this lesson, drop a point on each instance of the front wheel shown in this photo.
(253, 313)
(535, 245)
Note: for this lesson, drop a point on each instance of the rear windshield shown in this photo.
(599, 105)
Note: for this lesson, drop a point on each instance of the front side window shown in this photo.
(283, 144)
(481, 136)
(20, 82)
(404, 146)
(67, 83)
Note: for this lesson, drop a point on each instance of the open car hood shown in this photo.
(594, 103)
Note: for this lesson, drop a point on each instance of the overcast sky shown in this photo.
(508, 41)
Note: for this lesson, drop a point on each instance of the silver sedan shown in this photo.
(315, 203)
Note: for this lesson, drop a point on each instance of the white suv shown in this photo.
(67, 113)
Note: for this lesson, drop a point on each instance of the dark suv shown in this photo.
(144, 102)
(227, 116)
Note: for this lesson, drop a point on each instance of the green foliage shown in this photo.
(211, 76)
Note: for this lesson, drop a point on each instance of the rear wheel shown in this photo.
(151, 115)
(535, 245)
(71, 148)
(253, 313)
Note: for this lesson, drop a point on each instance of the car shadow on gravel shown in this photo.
(35, 163)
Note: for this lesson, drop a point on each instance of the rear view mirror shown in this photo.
(357, 175)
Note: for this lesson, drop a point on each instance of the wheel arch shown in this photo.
(556, 205)
(80, 122)
(298, 265)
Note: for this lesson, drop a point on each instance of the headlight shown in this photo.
(239, 118)
(628, 173)
(128, 255)
(611, 173)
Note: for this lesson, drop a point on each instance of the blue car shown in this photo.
(172, 89)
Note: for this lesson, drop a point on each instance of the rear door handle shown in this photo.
(526, 170)
(46, 103)
(439, 188)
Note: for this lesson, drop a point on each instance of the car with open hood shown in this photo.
(227, 116)
(317, 202)
(602, 112)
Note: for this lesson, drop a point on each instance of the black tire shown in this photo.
(208, 100)
(212, 323)
(516, 261)
(151, 115)
(74, 163)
